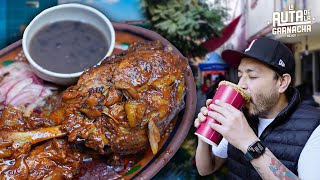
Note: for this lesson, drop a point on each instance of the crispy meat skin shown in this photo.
(130, 98)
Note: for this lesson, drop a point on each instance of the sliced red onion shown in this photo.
(15, 89)
(20, 87)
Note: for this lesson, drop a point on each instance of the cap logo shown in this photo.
(281, 63)
(250, 46)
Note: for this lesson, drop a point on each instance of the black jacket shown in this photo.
(285, 137)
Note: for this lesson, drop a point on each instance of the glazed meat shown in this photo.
(127, 102)
(20, 160)
(52, 160)
(13, 119)
(121, 106)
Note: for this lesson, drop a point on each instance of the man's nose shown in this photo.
(242, 83)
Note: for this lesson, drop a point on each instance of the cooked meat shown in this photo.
(122, 106)
(12, 141)
(52, 160)
(12, 119)
(129, 99)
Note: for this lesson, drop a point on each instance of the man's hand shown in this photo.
(202, 114)
(205, 161)
(234, 126)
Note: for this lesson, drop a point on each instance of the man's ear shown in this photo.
(285, 81)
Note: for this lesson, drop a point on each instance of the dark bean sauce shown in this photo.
(68, 47)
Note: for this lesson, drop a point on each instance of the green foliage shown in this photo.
(185, 23)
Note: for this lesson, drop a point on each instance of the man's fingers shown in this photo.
(208, 102)
(227, 106)
(220, 109)
(201, 117)
(216, 116)
(204, 111)
(196, 123)
(217, 127)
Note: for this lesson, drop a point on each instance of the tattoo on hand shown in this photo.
(280, 171)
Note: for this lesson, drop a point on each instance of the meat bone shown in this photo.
(18, 139)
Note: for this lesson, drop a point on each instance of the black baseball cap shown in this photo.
(271, 52)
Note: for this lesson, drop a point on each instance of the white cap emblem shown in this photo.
(281, 63)
(250, 46)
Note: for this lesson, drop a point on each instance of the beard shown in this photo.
(261, 103)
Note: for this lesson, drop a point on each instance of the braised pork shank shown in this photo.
(19, 159)
(127, 101)
(121, 106)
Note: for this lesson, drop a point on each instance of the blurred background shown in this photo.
(201, 30)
